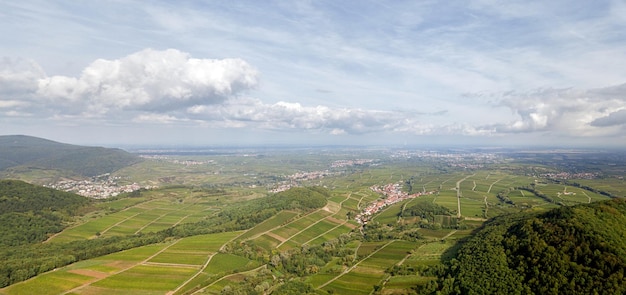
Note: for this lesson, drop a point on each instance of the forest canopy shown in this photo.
(568, 250)
(36, 211)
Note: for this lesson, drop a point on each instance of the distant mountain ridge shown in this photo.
(28, 151)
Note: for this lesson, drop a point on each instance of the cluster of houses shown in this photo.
(177, 161)
(567, 175)
(294, 179)
(392, 193)
(97, 187)
(348, 163)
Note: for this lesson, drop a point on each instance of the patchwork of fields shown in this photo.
(201, 265)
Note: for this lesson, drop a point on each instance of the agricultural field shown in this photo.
(196, 189)
(152, 212)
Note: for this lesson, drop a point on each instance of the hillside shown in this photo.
(37, 153)
(568, 250)
(29, 213)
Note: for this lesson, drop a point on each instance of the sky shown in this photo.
(477, 72)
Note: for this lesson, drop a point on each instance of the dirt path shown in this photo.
(72, 291)
(277, 237)
(489, 190)
(163, 215)
(458, 194)
(302, 230)
(588, 197)
(388, 277)
(153, 221)
(116, 224)
(313, 239)
(279, 226)
(204, 266)
(486, 206)
(358, 205)
(448, 235)
(355, 265)
(200, 291)
(79, 224)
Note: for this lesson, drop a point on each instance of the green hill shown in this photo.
(38, 153)
(30, 213)
(569, 250)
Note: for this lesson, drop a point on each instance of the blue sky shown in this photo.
(315, 72)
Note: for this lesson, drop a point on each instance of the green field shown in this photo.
(211, 263)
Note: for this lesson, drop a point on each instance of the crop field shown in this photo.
(615, 185)
(146, 277)
(167, 265)
(355, 282)
(161, 211)
(369, 271)
(528, 199)
(388, 255)
(222, 262)
(331, 234)
(399, 284)
(447, 199)
(314, 230)
(390, 214)
(294, 227)
(193, 250)
(569, 195)
(85, 272)
(295, 233)
(198, 191)
(269, 224)
(302, 231)
(50, 283)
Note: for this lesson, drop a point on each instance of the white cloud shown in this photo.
(612, 119)
(18, 76)
(171, 88)
(11, 103)
(149, 80)
(569, 112)
(285, 115)
(156, 118)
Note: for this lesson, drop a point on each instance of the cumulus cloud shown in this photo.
(612, 119)
(287, 115)
(18, 77)
(565, 111)
(170, 87)
(149, 80)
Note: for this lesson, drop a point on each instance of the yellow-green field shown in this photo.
(207, 264)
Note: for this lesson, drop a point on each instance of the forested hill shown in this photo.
(27, 151)
(569, 250)
(30, 213)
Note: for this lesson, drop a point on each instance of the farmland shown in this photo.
(323, 248)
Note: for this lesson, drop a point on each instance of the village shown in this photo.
(392, 194)
(98, 187)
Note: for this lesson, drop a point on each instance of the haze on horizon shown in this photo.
(315, 72)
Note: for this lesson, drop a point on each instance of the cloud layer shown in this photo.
(148, 80)
(494, 70)
(170, 87)
(570, 112)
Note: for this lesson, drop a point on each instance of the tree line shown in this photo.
(26, 261)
